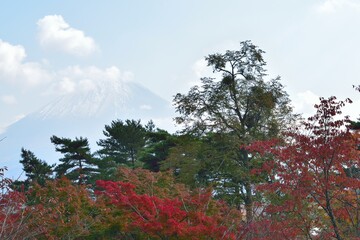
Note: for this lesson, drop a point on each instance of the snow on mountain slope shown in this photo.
(92, 99)
(83, 113)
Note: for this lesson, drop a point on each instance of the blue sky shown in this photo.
(50, 48)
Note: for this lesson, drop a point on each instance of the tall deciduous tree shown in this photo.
(123, 141)
(204, 161)
(242, 105)
(77, 163)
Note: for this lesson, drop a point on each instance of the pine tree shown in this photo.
(78, 163)
(36, 170)
(123, 141)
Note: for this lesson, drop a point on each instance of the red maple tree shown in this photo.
(312, 189)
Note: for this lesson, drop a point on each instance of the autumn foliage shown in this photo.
(12, 210)
(175, 214)
(61, 210)
(158, 208)
(312, 189)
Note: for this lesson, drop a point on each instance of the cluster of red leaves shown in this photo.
(12, 210)
(160, 209)
(309, 173)
(165, 217)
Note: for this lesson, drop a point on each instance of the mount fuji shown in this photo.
(84, 114)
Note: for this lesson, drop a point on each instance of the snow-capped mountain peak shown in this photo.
(82, 113)
(92, 99)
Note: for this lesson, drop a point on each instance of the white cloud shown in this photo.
(87, 85)
(332, 6)
(14, 69)
(10, 56)
(55, 33)
(8, 99)
(66, 85)
(304, 103)
(84, 79)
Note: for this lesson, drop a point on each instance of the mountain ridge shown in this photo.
(85, 114)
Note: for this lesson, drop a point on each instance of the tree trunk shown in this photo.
(80, 173)
(249, 209)
(332, 217)
(248, 203)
